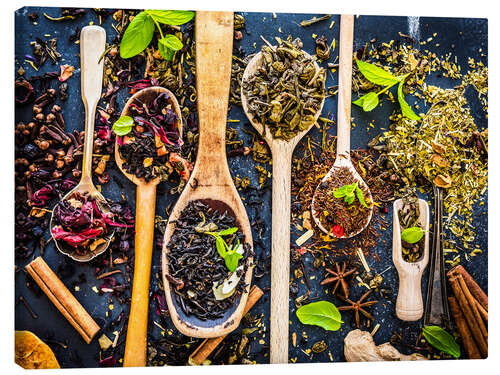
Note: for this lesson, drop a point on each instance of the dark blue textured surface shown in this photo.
(467, 35)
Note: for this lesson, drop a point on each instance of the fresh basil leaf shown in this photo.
(221, 246)
(231, 260)
(322, 313)
(228, 231)
(171, 17)
(441, 340)
(405, 108)
(123, 125)
(412, 235)
(361, 198)
(375, 74)
(171, 42)
(137, 36)
(367, 102)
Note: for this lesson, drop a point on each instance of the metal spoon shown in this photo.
(343, 158)
(92, 44)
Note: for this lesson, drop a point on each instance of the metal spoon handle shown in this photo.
(92, 45)
(345, 77)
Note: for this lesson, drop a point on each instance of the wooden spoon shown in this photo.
(210, 181)
(92, 44)
(135, 346)
(409, 304)
(343, 158)
(282, 152)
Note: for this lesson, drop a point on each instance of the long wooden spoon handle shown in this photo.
(135, 347)
(92, 45)
(280, 255)
(214, 49)
(345, 77)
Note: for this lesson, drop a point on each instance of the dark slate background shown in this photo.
(467, 36)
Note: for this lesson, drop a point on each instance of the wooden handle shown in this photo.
(214, 48)
(345, 77)
(92, 45)
(135, 346)
(409, 304)
(280, 256)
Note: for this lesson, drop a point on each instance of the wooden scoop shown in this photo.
(210, 181)
(282, 152)
(343, 158)
(92, 44)
(409, 304)
(135, 346)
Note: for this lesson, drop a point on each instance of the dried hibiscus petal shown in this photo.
(66, 72)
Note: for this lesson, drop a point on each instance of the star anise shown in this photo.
(358, 306)
(339, 278)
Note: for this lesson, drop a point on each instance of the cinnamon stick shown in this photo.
(474, 288)
(469, 315)
(62, 298)
(469, 343)
(482, 311)
(209, 345)
(472, 304)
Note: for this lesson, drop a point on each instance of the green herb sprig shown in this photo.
(123, 126)
(350, 193)
(228, 253)
(441, 340)
(139, 32)
(412, 234)
(322, 313)
(382, 77)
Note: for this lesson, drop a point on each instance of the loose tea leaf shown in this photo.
(412, 235)
(441, 340)
(322, 313)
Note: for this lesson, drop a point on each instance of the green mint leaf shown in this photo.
(231, 260)
(228, 231)
(405, 108)
(171, 42)
(361, 198)
(349, 199)
(441, 340)
(340, 192)
(221, 246)
(368, 102)
(412, 235)
(171, 17)
(166, 53)
(375, 74)
(123, 126)
(350, 188)
(137, 36)
(322, 313)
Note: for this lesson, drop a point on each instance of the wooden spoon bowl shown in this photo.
(210, 180)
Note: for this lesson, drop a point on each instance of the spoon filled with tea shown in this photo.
(82, 222)
(342, 203)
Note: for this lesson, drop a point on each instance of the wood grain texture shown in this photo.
(210, 180)
(135, 346)
(345, 79)
(280, 238)
(409, 303)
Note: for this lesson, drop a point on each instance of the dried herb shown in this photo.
(322, 313)
(441, 340)
(139, 32)
(341, 215)
(205, 287)
(287, 91)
